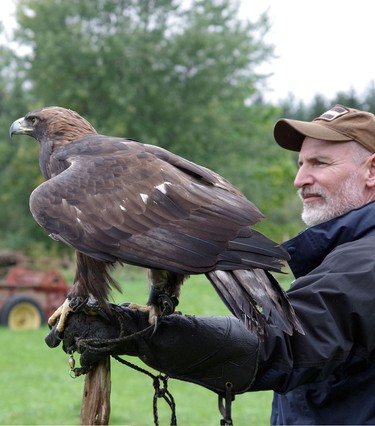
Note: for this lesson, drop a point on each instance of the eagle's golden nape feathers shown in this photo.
(116, 200)
(62, 120)
(64, 124)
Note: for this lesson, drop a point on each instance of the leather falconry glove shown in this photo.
(209, 351)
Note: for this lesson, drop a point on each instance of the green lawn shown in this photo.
(37, 389)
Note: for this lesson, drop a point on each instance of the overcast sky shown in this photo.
(322, 46)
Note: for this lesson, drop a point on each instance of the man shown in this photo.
(327, 375)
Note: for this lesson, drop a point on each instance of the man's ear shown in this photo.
(370, 179)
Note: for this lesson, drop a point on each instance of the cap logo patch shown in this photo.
(335, 112)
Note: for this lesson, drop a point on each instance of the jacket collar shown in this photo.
(309, 248)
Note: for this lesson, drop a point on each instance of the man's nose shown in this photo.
(303, 177)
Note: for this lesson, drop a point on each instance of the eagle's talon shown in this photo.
(159, 307)
(156, 323)
(152, 311)
(59, 317)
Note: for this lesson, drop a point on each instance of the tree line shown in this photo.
(184, 77)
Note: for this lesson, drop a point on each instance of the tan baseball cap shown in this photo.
(339, 124)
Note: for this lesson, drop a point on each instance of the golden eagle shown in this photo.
(119, 200)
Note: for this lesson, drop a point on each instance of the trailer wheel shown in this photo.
(21, 313)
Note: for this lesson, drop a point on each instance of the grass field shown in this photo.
(38, 390)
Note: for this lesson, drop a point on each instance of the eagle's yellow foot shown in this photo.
(153, 311)
(158, 305)
(60, 315)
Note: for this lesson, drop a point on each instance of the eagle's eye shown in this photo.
(33, 120)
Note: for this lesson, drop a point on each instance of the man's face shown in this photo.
(330, 181)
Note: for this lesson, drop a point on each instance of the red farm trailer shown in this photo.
(28, 296)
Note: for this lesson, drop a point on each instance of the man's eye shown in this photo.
(320, 163)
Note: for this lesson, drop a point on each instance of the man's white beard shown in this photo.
(347, 197)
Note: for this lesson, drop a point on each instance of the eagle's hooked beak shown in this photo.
(20, 127)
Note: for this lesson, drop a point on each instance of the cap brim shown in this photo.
(290, 133)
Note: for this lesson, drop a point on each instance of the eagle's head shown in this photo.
(53, 127)
(52, 123)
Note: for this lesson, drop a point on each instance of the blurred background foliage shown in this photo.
(184, 77)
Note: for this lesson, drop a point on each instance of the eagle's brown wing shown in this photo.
(118, 201)
(139, 204)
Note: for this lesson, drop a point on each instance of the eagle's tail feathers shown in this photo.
(251, 249)
(256, 299)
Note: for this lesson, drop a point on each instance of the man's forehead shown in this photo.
(316, 148)
(311, 144)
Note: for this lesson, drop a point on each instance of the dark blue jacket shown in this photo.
(327, 376)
